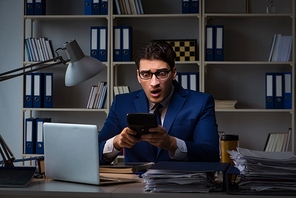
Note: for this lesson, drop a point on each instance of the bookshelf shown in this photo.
(240, 76)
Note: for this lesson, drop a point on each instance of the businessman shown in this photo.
(188, 129)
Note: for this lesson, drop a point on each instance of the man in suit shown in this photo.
(188, 129)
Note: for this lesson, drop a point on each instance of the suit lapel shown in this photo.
(141, 102)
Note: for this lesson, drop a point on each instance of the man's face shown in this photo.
(156, 89)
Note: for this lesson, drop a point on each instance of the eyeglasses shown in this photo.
(161, 74)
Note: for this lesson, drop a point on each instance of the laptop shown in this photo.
(71, 153)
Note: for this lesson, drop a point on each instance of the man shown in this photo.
(188, 131)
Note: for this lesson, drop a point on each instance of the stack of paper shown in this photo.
(265, 171)
(225, 104)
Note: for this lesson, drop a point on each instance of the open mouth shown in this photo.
(155, 92)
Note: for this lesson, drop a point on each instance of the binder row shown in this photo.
(214, 43)
(280, 48)
(121, 90)
(35, 7)
(188, 80)
(95, 7)
(38, 90)
(34, 135)
(98, 42)
(38, 49)
(190, 6)
(122, 43)
(97, 96)
(129, 7)
(278, 90)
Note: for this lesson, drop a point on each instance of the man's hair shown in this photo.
(157, 50)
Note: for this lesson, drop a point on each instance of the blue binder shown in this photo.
(126, 53)
(30, 136)
(88, 7)
(184, 80)
(104, 7)
(96, 7)
(219, 43)
(38, 90)
(28, 90)
(269, 91)
(210, 41)
(40, 134)
(186, 6)
(29, 7)
(40, 7)
(194, 8)
(288, 90)
(117, 43)
(103, 43)
(278, 86)
(94, 42)
(193, 81)
(48, 83)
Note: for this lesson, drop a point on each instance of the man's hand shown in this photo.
(160, 138)
(125, 139)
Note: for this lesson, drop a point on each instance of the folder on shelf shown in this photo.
(29, 7)
(103, 97)
(103, 43)
(141, 6)
(30, 136)
(39, 7)
(88, 7)
(28, 90)
(104, 7)
(210, 43)
(219, 43)
(96, 7)
(194, 7)
(193, 81)
(38, 90)
(269, 91)
(48, 83)
(184, 80)
(117, 43)
(278, 86)
(117, 6)
(94, 42)
(39, 134)
(126, 43)
(186, 6)
(287, 90)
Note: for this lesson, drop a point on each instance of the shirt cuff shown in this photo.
(109, 151)
(181, 151)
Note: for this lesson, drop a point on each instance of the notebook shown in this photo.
(71, 153)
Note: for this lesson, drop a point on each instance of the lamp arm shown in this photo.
(6, 153)
(4, 76)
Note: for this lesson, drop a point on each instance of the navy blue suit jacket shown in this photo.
(190, 117)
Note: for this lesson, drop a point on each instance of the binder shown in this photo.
(103, 43)
(117, 43)
(287, 90)
(40, 134)
(94, 42)
(194, 7)
(278, 86)
(210, 43)
(104, 7)
(117, 6)
(29, 7)
(184, 80)
(39, 8)
(30, 136)
(28, 90)
(38, 90)
(126, 43)
(219, 44)
(269, 91)
(193, 81)
(88, 7)
(186, 6)
(48, 83)
(96, 7)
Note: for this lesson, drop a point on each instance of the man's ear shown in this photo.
(174, 71)
(138, 76)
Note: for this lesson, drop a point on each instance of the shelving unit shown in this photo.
(239, 77)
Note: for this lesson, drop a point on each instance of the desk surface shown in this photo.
(58, 189)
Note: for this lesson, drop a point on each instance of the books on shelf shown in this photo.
(129, 6)
(38, 49)
(97, 96)
(278, 142)
(121, 90)
(281, 47)
(225, 104)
